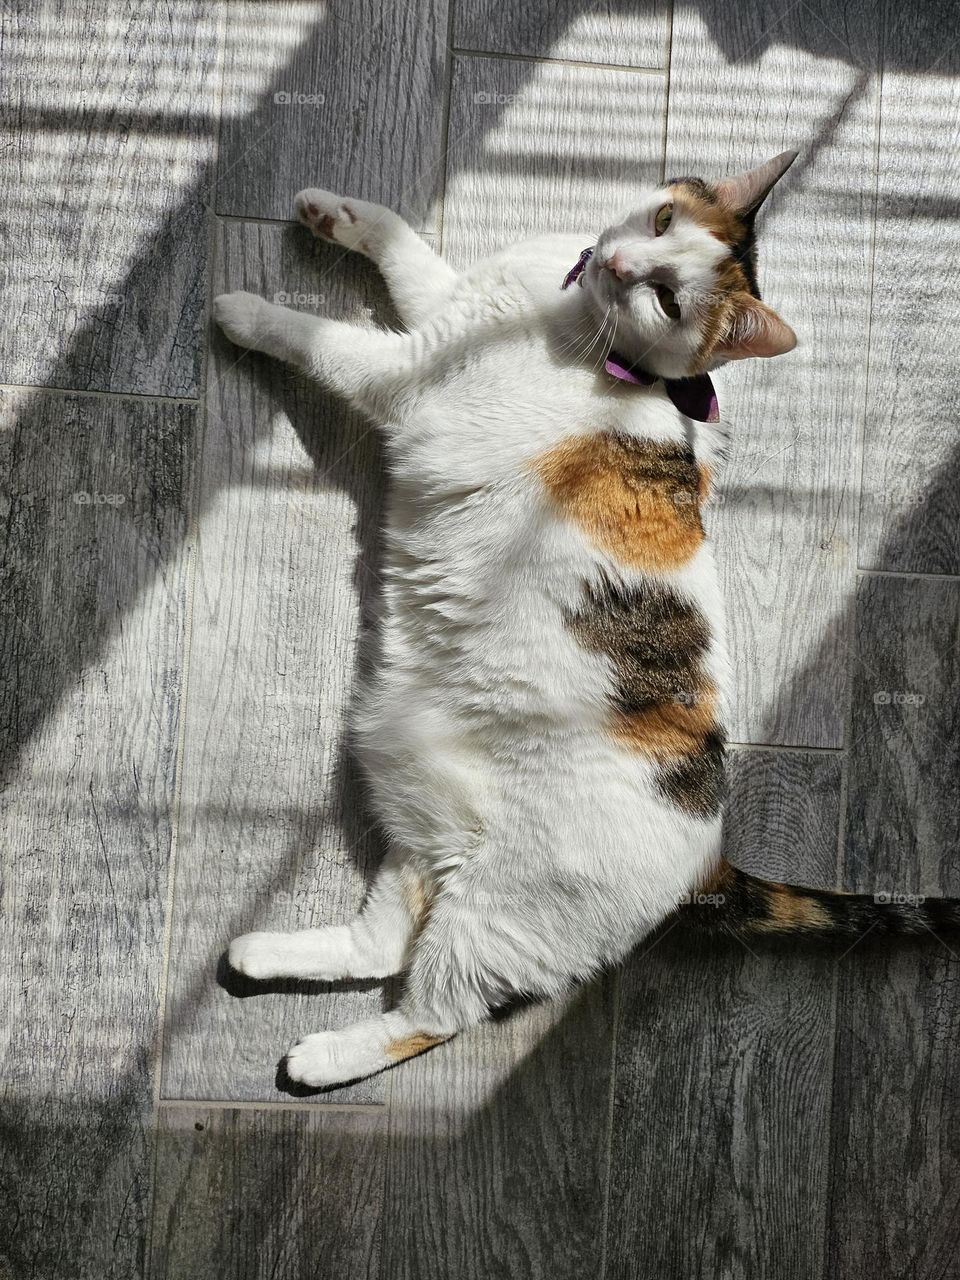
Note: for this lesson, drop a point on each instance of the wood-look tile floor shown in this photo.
(189, 554)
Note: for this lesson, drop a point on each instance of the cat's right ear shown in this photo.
(753, 329)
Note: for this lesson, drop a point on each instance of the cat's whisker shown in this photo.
(581, 331)
(584, 351)
(613, 338)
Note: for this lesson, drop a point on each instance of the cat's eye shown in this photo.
(663, 218)
(668, 301)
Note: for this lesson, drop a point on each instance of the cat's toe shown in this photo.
(238, 315)
(331, 217)
(258, 955)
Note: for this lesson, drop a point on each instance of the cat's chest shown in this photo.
(493, 406)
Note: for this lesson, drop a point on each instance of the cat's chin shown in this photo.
(633, 351)
(657, 364)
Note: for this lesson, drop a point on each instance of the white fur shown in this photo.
(545, 849)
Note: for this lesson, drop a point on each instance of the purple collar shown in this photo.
(695, 397)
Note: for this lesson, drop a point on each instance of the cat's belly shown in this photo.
(551, 808)
(426, 774)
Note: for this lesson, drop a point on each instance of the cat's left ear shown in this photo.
(745, 193)
(754, 329)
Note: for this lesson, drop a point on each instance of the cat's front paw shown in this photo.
(260, 955)
(335, 218)
(240, 316)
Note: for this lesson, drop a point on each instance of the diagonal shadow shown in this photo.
(45, 673)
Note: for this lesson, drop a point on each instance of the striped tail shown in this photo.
(734, 902)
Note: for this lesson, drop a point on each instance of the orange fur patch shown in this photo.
(639, 500)
(789, 909)
(411, 1045)
(715, 218)
(669, 729)
(729, 276)
(418, 896)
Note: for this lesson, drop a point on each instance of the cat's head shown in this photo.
(676, 279)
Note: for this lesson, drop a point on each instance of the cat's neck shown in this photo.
(580, 339)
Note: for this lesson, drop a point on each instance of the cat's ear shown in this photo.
(745, 193)
(754, 329)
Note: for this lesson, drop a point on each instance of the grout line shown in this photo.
(191, 546)
(871, 275)
(168, 901)
(830, 1136)
(666, 98)
(895, 573)
(841, 865)
(787, 746)
(99, 395)
(611, 1098)
(445, 127)
(537, 60)
(243, 217)
(828, 1147)
(317, 1108)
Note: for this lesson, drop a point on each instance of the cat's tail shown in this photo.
(734, 902)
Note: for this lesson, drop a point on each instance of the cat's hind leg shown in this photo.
(376, 944)
(418, 279)
(452, 985)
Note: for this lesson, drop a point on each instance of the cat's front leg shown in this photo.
(418, 279)
(363, 365)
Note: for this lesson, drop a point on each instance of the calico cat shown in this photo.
(544, 739)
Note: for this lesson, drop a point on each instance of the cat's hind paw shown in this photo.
(337, 219)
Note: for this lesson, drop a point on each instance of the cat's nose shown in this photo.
(617, 265)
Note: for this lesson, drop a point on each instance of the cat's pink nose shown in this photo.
(617, 265)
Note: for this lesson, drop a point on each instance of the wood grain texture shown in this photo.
(721, 1107)
(783, 815)
(895, 1186)
(630, 36)
(268, 1195)
(523, 158)
(903, 828)
(910, 500)
(355, 105)
(274, 833)
(746, 84)
(107, 139)
(94, 493)
(497, 1155)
